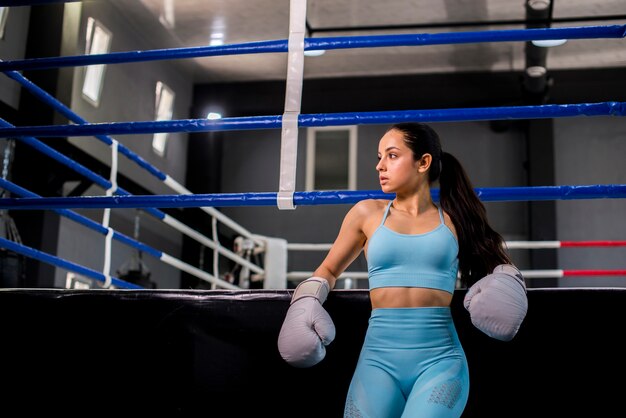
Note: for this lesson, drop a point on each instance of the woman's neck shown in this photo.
(414, 203)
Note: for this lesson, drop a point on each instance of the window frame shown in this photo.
(352, 154)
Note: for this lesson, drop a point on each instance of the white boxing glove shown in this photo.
(307, 328)
(497, 303)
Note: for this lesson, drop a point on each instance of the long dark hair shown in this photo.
(481, 248)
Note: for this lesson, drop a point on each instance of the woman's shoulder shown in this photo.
(368, 208)
(371, 205)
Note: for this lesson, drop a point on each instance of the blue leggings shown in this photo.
(411, 365)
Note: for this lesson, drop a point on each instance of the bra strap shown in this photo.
(440, 214)
(386, 213)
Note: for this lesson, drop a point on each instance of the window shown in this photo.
(98, 41)
(164, 108)
(331, 158)
(4, 13)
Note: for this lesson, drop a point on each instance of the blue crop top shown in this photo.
(413, 260)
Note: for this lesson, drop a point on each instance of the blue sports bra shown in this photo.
(413, 260)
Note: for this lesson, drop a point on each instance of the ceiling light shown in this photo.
(546, 43)
(213, 116)
(314, 52)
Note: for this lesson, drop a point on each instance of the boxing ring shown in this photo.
(120, 346)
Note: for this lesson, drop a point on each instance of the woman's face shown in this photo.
(397, 170)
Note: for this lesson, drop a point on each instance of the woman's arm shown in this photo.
(348, 244)
(308, 328)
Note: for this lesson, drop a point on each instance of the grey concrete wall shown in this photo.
(128, 95)
(251, 164)
(588, 150)
(591, 151)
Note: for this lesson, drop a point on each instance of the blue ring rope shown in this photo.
(20, 191)
(606, 191)
(62, 263)
(79, 168)
(327, 43)
(323, 119)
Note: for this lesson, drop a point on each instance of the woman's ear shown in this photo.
(424, 163)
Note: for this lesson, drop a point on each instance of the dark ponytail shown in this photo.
(481, 248)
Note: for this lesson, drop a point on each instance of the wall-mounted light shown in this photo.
(217, 38)
(538, 4)
(536, 71)
(536, 79)
(213, 116)
(536, 82)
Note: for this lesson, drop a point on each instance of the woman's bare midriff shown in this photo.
(403, 297)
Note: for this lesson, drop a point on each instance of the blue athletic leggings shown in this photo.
(411, 365)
